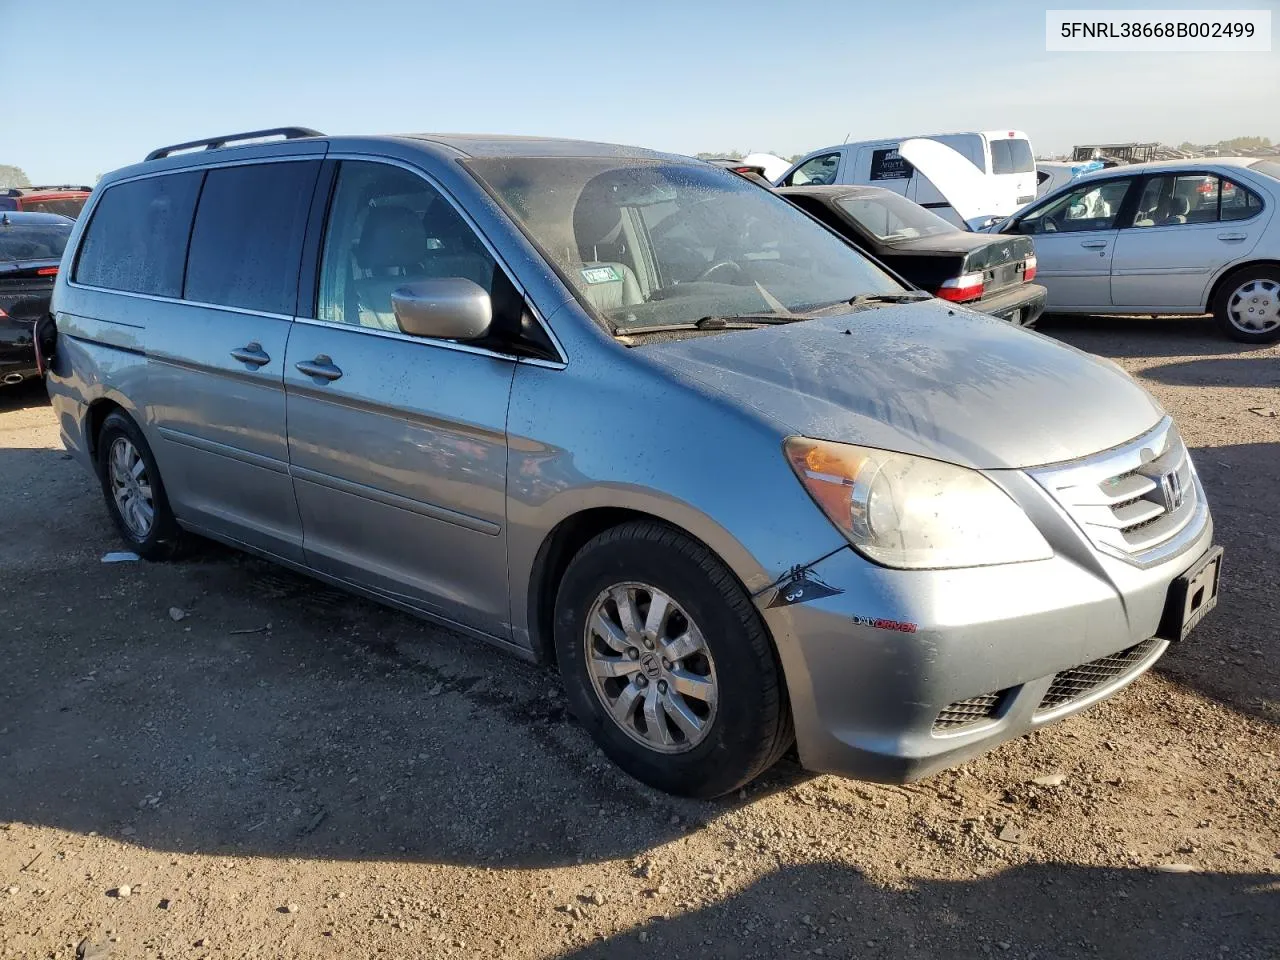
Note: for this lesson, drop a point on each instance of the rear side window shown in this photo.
(1011, 156)
(137, 239)
(247, 238)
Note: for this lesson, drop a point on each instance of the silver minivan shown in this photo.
(633, 414)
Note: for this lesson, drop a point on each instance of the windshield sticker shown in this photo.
(600, 275)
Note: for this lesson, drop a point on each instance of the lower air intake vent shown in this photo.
(1078, 682)
(963, 713)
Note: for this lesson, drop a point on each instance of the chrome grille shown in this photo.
(1078, 682)
(1134, 501)
(962, 713)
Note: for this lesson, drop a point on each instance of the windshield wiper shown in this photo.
(914, 296)
(737, 321)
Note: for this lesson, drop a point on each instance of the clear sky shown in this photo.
(101, 84)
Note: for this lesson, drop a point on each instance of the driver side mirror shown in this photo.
(1027, 226)
(449, 308)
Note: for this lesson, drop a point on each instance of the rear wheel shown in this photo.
(1247, 306)
(666, 662)
(133, 490)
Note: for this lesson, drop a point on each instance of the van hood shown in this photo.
(969, 191)
(929, 379)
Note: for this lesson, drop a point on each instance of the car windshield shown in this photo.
(32, 241)
(892, 217)
(652, 243)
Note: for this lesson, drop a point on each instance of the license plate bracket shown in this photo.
(1191, 596)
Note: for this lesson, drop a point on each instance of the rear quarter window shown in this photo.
(247, 239)
(137, 238)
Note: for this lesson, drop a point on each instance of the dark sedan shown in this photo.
(31, 246)
(990, 273)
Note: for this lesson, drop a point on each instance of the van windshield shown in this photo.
(892, 217)
(647, 243)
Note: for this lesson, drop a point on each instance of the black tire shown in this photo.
(751, 728)
(165, 539)
(1222, 303)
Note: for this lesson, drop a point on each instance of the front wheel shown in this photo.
(666, 662)
(1247, 307)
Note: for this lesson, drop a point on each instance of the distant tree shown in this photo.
(1186, 146)
(1245, 144)
(11, 176)
(729, 154)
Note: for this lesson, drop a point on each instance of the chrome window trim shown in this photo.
(435, 184)
(179, 301)
(427, 341)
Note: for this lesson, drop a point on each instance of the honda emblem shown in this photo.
(1171, 491)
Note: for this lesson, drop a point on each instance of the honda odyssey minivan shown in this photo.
(629, 413)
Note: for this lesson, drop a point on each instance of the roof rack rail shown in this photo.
(23, 191)
(213, 143)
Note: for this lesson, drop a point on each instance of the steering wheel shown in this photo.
(717, 267)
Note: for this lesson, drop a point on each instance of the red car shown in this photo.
(66, 200)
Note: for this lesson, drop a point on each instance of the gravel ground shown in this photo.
(215, 758)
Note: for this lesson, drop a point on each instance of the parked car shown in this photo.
(631, 413)
(31, 246)
(65, 200)
(988, 273)
(1170, 237)
(751, 171)
(1052, 174)
(966, 178)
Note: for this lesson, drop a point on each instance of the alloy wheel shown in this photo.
(650, 667)
(131, 487)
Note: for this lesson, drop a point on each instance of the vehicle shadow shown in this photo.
(1046, 910)
(22, 396)
(223, 705)
(1231, 655)
(1261, 371)
(1148, 337)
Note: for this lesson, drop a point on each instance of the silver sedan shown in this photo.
(1174, 237)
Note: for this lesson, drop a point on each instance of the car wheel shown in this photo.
(667, 663)
(1247, 306)
(133, 490)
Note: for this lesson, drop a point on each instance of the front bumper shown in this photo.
(902, 673)
(1021, 305)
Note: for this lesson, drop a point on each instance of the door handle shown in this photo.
(322, 368)
(252, 354)
(1093, 244)
(1233, 236)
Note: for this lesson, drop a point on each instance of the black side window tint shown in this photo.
(247, 238)
(137, 239)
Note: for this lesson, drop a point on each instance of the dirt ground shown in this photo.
(286, 771)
